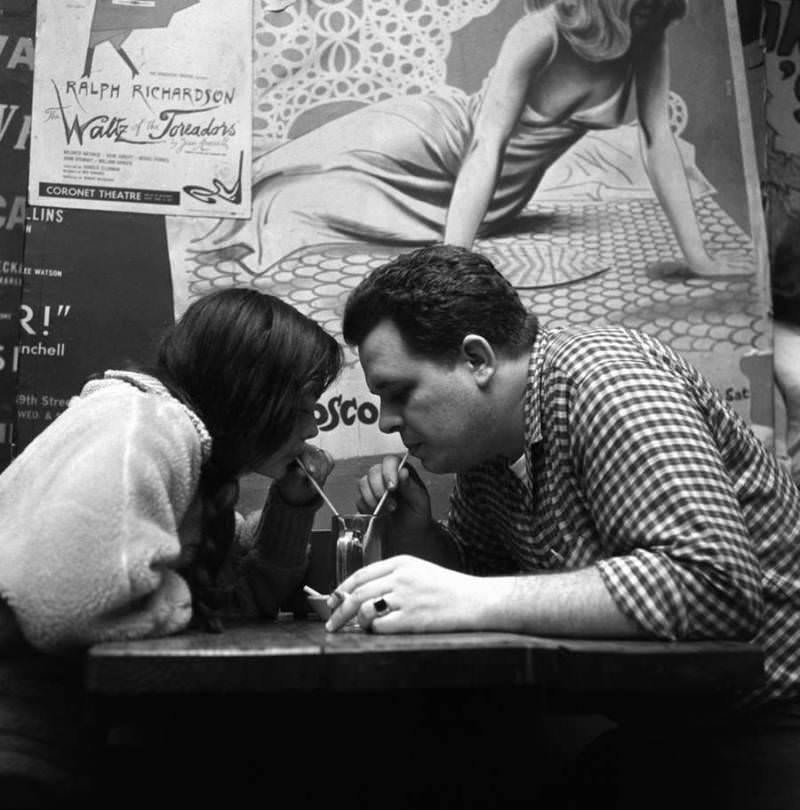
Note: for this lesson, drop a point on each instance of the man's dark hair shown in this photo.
(437, 295)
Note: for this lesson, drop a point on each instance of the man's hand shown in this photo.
(411, 528)
(406, 595)
(408, 505)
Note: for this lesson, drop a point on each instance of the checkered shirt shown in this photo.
(637, 466)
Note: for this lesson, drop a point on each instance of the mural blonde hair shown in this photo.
(600, 30)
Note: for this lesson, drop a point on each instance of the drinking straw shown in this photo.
(377, 509)
(317, 487)
(386, 493)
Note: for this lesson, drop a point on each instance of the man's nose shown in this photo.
(389, 420)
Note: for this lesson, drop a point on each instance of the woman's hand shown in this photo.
(406, 595)
(294, 486)
(722, 265)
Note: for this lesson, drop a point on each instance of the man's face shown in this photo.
(437, 408)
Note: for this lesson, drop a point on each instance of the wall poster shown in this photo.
(781, 65)
(143, 106)
(96, 296)
(781, 62)
(17, 23)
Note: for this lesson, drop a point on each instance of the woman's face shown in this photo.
(305, 428)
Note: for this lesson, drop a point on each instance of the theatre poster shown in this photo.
(143, 106)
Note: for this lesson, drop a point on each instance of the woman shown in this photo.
(132, 488)
(119, 523)
(429, 168)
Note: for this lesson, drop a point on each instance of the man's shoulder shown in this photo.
(586, 347)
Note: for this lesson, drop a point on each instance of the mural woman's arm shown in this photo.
(525, 49)
(663, 161)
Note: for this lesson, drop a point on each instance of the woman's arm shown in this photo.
(662, 159)
(268, 562)
(525, 50)
(101, 492)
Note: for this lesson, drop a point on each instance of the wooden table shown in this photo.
(440, 720)
(298, 655)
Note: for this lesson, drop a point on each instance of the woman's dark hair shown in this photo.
(242, 360)
(437, 295)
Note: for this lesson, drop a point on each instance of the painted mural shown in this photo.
(629, 198)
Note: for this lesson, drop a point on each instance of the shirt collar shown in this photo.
(519, 468)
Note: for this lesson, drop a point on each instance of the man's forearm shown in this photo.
(568, 603)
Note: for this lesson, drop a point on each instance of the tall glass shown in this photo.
(360, 540)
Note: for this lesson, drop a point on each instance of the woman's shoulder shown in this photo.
(148, 391)
(143, 403)
(534, 35)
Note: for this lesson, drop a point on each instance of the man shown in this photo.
(596, 456)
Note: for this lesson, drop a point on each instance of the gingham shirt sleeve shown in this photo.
(678, 557)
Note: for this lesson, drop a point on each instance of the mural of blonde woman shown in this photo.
(567, 67)
(454, 167)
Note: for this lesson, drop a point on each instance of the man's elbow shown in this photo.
(737, 614)
(751, 614)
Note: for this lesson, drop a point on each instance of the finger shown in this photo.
(366, 584)
(326, 464)
(389, 467)
(412, 490)
(410, 477)
(392, 622)
(336, 599)
(369, 573)
(366, 500)
(376, 481)
(345, 609)
(364, 604)
(307, 463)
(373, 609)
(317, 461)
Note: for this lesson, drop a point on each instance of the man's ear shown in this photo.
(479, 355)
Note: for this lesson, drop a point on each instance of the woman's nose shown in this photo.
(310, 428)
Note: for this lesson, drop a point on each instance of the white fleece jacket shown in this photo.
(94, 513)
